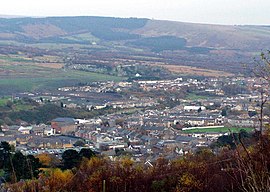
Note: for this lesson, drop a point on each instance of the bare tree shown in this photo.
(262, 72)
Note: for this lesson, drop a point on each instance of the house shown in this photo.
(23, 139)
(43, 130)
(183, 139)
(64, 125)
(48, 131)
(10, 140)
(194, 108)
(243, 122)
(100, 106)
(196, 122)
(51, 142)
(25, 130)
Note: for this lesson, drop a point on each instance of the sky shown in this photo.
(196, 11)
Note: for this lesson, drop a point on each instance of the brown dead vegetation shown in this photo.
(39, 31)
(194, 71)
(51, 65)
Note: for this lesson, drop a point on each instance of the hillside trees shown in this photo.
(71, 158)
(48, 160)
(86, 153)
(17, 166)
(25, 167)
(246, 168)
(200, 172)
(250, 166)
(36, 114)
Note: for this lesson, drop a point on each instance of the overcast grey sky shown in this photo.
(198, 11)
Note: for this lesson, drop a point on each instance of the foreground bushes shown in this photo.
(242, 169)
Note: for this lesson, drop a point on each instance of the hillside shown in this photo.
(100, 45)
(244, 38)
(29, 30)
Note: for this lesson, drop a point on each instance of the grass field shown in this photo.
(4, 100)
(15, 58)
(192, 96)
(17, 105)
(49, 80)
(19, 74)
(218, 130)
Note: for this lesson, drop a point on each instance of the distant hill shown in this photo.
(213, 36)
(219, 47)
(42, 29)
(30, 30)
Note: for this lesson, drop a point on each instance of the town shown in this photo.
(151, 118)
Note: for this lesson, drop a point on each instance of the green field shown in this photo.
(19, 74)
(4, 100)
(14, 58)
(193, 96)
(16, 105)
(218, 130)
(49, 80)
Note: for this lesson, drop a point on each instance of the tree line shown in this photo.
(244, 168)
(14, 166)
